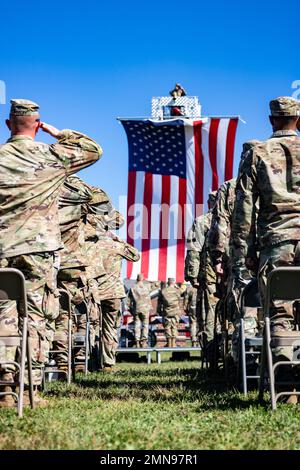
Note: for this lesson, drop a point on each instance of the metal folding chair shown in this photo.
(12, 287)
(65, 301)
(248, 346)
(282, 284)
(80, 341)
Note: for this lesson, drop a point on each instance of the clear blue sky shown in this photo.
(88, 62)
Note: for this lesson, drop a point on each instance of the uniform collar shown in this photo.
(284, 133)
(15, 138)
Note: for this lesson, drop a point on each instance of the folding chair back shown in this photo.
(283, 284)
(12, 287)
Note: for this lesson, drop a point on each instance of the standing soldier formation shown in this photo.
(33, 175)
(57, 230)
(266, 220)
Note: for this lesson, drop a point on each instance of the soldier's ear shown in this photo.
(8, 124)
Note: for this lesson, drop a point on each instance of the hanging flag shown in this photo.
(173, 166)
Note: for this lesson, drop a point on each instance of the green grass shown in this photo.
(171, 406)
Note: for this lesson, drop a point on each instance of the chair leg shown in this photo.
(87, 347)
(226, 349)
(69, 350)
(73, 366)
(29, 361)
(22, 367)
(262, 369)
(270, 364)
(242, 350)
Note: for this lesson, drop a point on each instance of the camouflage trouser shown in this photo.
(250, 330)
(281, 313)
(76, 290)
(193, 326)
(40, 272)
(251, 326)
(206, 304)
(170, 324)
(79, 292)
(111, 320)
(141, 326)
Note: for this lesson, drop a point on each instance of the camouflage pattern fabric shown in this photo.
(207, 298)
(111, 320)
(266, 177)
(40, 271)
(195, 242)
(112, 250)
(31, 174)
(21, 107)
(141, 326)
(108, 252)
(285, 106)
(206, 305)
(140, 306)
(190, 306)
(76, 288)
(170, 325)
(139, 298)
(219, 232)
(73, 195)
(168, 304)
(199, 268)
(269, 174)
(78, 200)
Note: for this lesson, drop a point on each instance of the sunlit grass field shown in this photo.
(175, 405)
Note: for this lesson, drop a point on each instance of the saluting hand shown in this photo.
(50, 129)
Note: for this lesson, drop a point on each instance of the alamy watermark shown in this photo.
(296, 86)
(2, 92)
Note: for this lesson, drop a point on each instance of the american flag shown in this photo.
(173, 166)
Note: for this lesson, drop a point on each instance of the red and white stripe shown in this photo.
(161, 209)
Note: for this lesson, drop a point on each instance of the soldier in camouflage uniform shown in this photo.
(219, 247)
(269, 177)
(77, 200)
(140, 306)
(190, 306)
(200, 273)
(32, 174)
(109, 250)
(168, 306)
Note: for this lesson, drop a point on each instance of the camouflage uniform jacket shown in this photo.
(168, 303)
(111, 250)
(73, 195)
(207, 275)
(269, 175)
(98, 220)
(219, 232)
(31, 174)
(139, 298)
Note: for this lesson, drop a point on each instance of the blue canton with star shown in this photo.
(156, 148)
